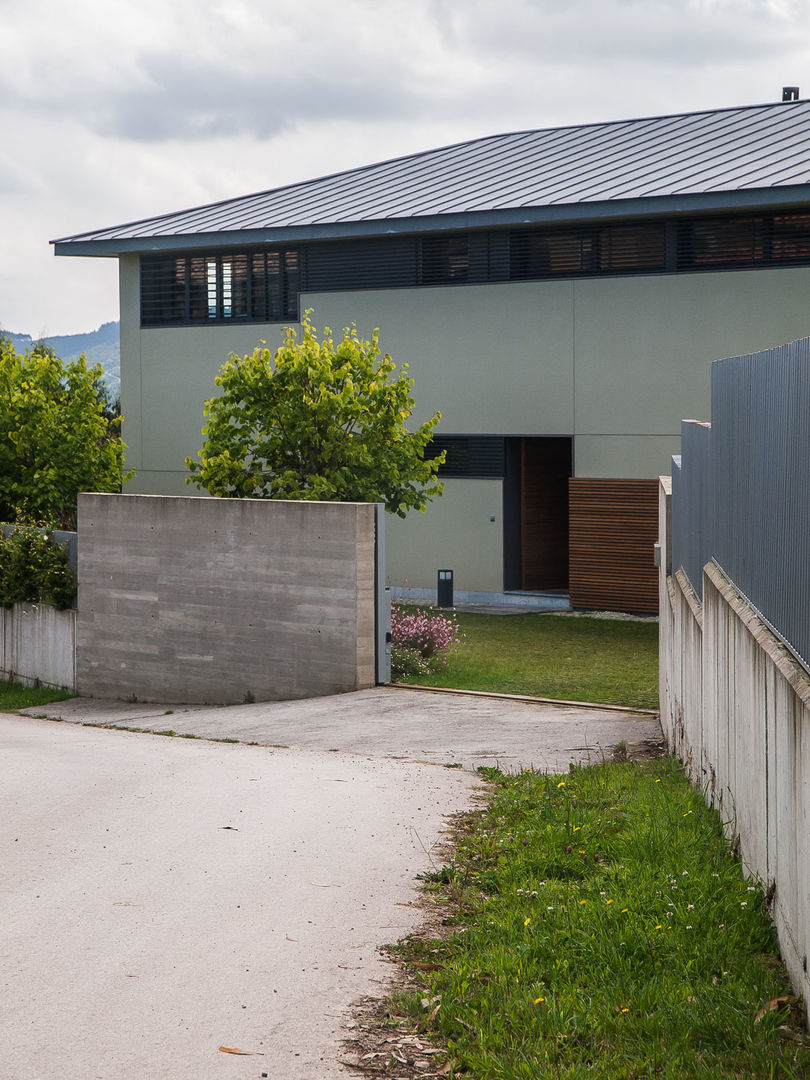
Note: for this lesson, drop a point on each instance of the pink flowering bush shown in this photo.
(419, 639)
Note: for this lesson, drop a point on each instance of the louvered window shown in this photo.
(539, 253)
(259, 286)
(264, 284)
(744, 241)
(445, 260)
(472, 456)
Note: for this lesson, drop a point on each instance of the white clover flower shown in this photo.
(690, 907)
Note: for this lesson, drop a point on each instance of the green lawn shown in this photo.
(609, 661)
(14, 696)
(600, 928)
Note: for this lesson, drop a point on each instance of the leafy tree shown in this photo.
(55, 440)
(316, 421)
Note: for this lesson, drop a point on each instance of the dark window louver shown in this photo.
(472, 456)
(445, 260)
(261, 286)
(536, 253)
(264, 285)
(744, 241)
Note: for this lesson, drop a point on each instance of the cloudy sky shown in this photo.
(113, 110)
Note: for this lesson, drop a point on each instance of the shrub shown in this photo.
(423, 635)
(407, 663)
(34, 569)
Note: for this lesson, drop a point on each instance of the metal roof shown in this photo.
(748, 156)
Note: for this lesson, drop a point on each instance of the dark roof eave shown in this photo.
(753, 199)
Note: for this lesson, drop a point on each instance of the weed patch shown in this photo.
(15, 696)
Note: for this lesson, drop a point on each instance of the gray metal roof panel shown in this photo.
(751, 149)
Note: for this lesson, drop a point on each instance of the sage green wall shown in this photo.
(453, 533)
(615, 362)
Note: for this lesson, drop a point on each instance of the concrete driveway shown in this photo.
(162, 898)
(388, 721)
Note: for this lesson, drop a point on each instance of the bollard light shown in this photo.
(444, 589)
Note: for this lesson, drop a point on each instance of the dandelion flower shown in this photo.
(659, 927)
(561, 784)
(624, 909)
(583, 901)
(627, 1010)
(527, 920)
(608, 901)
(538, 1000)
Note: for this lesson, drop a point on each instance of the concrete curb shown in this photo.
(525, 697)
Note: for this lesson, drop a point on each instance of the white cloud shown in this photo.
(116, 110)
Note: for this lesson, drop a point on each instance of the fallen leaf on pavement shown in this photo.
(235, 1050)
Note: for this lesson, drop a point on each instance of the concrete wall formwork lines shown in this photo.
(37, 645)
(224, 600)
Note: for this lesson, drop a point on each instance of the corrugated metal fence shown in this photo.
(741, 496)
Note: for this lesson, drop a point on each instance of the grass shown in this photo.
(612, 662)
(602, 929)
(15, 696)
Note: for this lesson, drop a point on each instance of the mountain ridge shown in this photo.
(101, 346)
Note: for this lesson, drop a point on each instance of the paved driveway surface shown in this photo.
(390, 722)
(160, 898)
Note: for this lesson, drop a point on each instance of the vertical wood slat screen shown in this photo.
(613, 527)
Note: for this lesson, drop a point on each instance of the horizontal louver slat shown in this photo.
(471, 456)
(613, 527)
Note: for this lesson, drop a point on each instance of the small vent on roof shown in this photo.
(790, 93)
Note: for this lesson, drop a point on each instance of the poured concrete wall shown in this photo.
(37, 645)
(735, 707)
(224, 600)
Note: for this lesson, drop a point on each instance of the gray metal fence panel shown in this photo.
(692, 503)
(741, 496)
(761, 480)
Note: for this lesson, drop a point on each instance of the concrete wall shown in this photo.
(614, 361)
(38, 645)
(735, 706)
(224, 600)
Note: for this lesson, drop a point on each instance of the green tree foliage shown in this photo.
(55, 439)
(33, 568)
(317, 420)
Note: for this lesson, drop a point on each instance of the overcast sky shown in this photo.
(113, 110)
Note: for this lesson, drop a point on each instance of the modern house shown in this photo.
(555, 293)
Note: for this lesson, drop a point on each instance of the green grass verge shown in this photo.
(602, 929)
(609, 661)
(14, 696)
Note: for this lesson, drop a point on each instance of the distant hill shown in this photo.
(102, 346)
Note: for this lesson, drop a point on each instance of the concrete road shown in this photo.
(160, 898)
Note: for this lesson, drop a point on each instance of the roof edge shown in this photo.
(745, 199)
(359, 169)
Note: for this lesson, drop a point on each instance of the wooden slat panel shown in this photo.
(613, 527)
